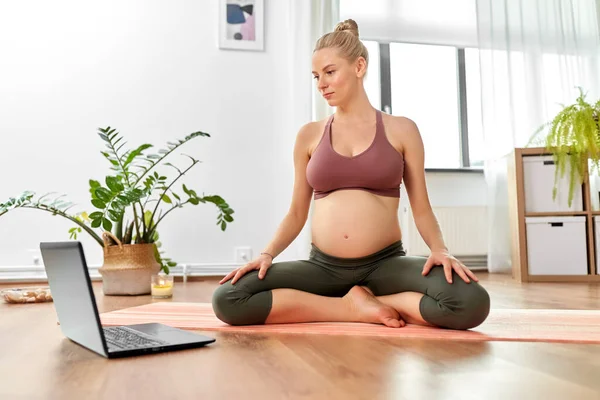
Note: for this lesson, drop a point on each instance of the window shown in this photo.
(424, 84)
(474, 118)
(372, 80)
(436, 86)
(424, 65)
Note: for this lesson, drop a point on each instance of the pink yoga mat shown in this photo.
(563, 326)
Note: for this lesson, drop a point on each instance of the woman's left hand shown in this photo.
(450, 263)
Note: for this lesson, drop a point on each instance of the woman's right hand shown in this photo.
(261, 263)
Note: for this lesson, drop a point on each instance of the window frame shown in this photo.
(387, 106)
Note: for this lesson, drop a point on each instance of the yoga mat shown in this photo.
(529, 325)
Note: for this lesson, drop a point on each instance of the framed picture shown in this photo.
(241, 24)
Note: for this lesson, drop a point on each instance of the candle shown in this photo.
(162, 286)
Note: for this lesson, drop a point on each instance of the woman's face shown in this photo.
(337, 79)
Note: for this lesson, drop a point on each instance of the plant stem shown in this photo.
(119, 228)
(135, 221)
(82, 225)
(165, 191)
(151, 231)
(120, 163)
(143, 218)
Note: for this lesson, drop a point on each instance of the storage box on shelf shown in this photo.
(556, 245)
(538, 178)
(550, 241)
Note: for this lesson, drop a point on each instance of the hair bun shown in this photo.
(348, 25)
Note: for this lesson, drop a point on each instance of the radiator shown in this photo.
(464, 230)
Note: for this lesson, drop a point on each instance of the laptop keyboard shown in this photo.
(123, 338)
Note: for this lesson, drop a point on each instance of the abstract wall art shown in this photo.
(241, 24)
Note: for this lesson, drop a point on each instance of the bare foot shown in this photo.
(368, 309)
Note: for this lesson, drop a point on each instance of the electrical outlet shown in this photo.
(36, 255)
(243, 254)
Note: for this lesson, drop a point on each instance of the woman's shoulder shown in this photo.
(310, 134)
(398, 122)
(402, 132)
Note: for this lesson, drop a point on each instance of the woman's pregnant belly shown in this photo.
(355, 223)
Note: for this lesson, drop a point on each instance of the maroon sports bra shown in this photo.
(379, 169)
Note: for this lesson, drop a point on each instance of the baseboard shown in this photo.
(38, 273)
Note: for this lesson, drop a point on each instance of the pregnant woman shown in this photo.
(354, 163)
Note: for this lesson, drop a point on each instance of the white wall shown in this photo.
(451, 189)
(152, 70)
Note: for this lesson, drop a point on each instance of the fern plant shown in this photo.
(128, 201)
(573, 138)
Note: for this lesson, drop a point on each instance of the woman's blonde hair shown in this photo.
(344, 38)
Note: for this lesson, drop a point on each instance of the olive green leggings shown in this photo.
(458, 305)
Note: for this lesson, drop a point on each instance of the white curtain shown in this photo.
(532, 56)
(325, 16)
(308, 21)
(443, 22)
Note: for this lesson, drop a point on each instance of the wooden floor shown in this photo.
(37, 362)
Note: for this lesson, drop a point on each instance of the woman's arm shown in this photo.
(425, 220)
(414, 181)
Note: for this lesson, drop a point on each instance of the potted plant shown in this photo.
(128, 211)
(573, 138)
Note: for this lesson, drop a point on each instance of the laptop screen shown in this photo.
(71, 289)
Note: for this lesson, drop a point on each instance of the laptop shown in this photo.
(75, 304)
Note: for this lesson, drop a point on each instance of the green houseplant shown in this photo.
(128, 209)
(573, 138)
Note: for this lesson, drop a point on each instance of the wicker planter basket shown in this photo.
(127, 268)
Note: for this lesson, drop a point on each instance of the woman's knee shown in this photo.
(456, 305)
(236, 306)
(472, 306)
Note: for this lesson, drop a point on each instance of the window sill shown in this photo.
(475, 170)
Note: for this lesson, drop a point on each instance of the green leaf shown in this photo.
(98, 204)
(106, 224)
(172, 264)
(103, 194)
(223, 225)
(136, 153)
(148, 217)
(114, 216)
(95, 215)
(94, 184)
(113, 184)
(176, 196)
(186, 190)
(228, 218)
(194, 201)
(96, 223)
(172, 166)
(166, 199)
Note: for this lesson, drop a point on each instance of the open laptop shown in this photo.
(78, 316)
